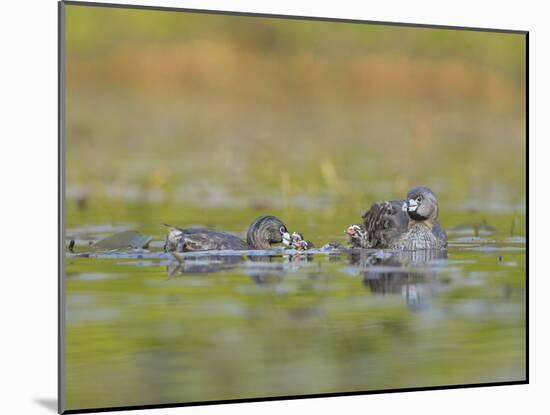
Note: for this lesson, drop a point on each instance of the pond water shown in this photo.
(144, 327)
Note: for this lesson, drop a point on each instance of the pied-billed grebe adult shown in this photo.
(262, 234)
(406, 225)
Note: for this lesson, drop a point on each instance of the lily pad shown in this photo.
(124, 240)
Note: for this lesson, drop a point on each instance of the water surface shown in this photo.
(144, 327)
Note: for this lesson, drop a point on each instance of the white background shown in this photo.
(28, 163)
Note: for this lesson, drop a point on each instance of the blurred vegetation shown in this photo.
(212, 111)
(124, 27)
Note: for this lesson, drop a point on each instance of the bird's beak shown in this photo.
(412, 205)
(286, 238)
(350, 231)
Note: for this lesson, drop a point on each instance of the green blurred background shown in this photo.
(174, 115)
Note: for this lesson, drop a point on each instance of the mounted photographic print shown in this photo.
(264, 207)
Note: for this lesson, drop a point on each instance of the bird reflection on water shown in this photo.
(260, 267)
(410, 274)
(406, 273)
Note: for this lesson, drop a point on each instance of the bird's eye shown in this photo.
(419, 199)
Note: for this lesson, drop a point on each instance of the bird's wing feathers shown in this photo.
(202, 239)
(385, 222)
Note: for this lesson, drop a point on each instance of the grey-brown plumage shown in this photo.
(409, 224)
(262, 233)
(384, 223)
